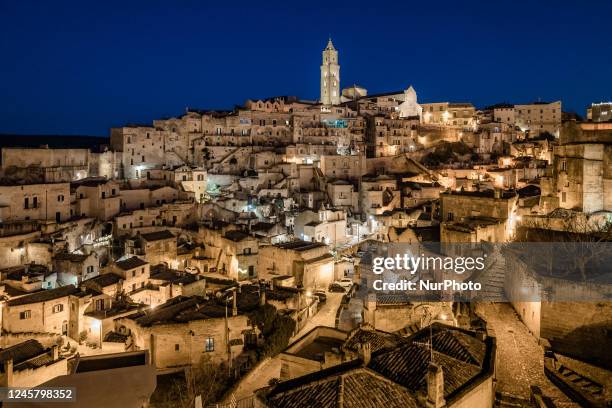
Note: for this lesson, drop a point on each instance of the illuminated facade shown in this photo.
(330, 76)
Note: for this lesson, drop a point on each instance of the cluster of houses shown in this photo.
(168, 236)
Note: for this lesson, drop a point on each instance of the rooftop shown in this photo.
(157, 236)
(183, 309)
(130, 263)
(300, 245)
(27, 355)
(236, 235)
(393, 377)
(45, 295)
(65, 256)
(104, 280)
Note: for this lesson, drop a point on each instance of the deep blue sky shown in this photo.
(77, 68)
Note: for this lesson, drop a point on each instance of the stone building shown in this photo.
(343, 167)
(134, 273)
(472, 211)
(181, 331)
(448, 114)
(533, 119)
(233, 252)
(387, 136)
(378, 194)
(43, 202)
(309, 262)
(598, 112)
(327, 226)
(95, 197)
(46, 311)
(581, 176)
(75, 268)
(156, 247)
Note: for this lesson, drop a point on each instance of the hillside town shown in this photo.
(225, 257)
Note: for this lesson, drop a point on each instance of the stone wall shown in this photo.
(575, 325)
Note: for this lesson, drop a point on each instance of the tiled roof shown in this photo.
(392, 299)
(21, 352)
(407, 365)
(376, 338)
(236, 235)
(358, 388)
(182, 309)
(157, 235)
(45, 295)
(38, 361)
(395, 375)
(104, 280)
(64, 256)
(299, 245)
(131, 263)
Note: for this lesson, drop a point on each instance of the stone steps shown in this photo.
(503, 400)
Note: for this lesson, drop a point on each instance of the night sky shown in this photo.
(77, 68)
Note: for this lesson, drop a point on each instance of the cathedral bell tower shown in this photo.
(330, 76)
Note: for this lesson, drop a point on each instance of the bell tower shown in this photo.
(330, 76)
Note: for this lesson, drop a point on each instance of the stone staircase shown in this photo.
(504, 400)
(492, 281)
(578, 387)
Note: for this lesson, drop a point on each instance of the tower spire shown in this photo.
(330, 75)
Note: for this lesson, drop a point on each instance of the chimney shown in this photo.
(8, 373)
(262, 295)
(435, 386)
(369, 312)
(234, 305)
(365, 352)
(152, 350)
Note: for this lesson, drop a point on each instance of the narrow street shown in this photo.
(326, 316)
(519, 359)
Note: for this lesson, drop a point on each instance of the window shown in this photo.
(449, 216)
(177, 347)
(60, 198)
(57, 308)
(26, 314)
(26, 203)
(209, 344)
(90, 269)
